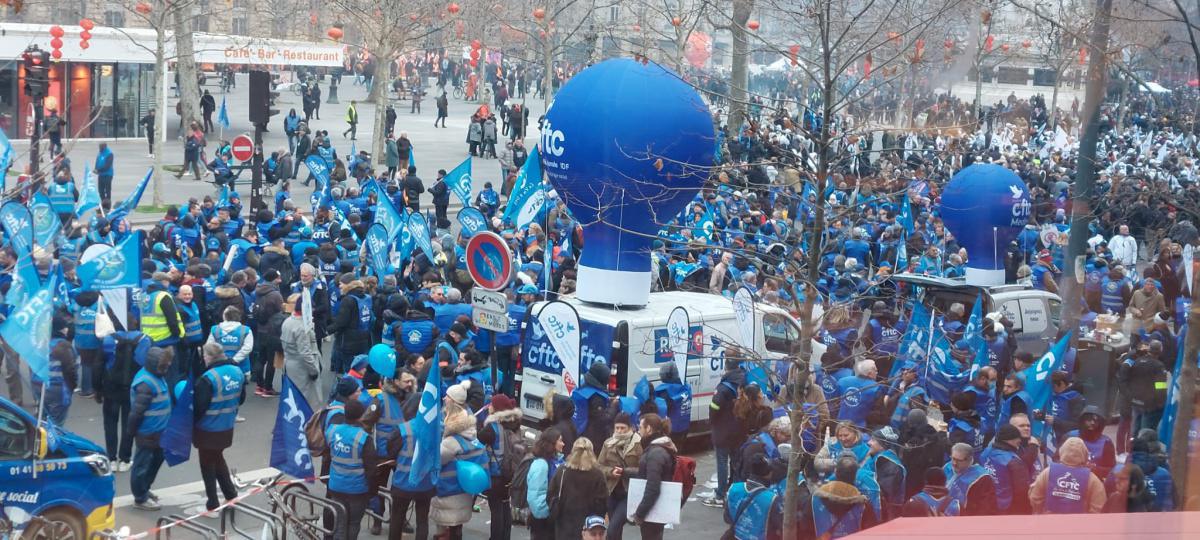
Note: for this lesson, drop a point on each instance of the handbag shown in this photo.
(104, 325)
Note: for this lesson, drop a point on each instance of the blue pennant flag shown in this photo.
(387, 215)
(89, 196)
(405, 237)
(1166, 426)
(915, 340)
(943, 377)
(133, 199)
(176, 440)
(1037, 378)
(27, 331)
(906, 218)
(116, 268)
(755, 373)
(46, 226)
(412, 156)
(18, 223)
(419, 228)
(223, 115)
(427, 432)
(459, 181)
(379, 247)
(289, 446)
(6, 159)
(320, 170)
(472, 221)
(528, 196)
(974, 331)
(25, 281)
(902, 254)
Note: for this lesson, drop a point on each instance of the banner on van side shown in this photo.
(678, 332)
(560, 322)
(595, 340)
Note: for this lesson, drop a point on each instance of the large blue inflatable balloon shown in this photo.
(626, 145)
(472, 477)
(382, 359)
(985, 206)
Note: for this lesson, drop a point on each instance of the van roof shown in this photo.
(699, 306)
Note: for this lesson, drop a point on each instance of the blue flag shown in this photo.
(27, 331)
(427, 432)
(176, 441)
(223, 115)
(289, 447)
(387, 215)
(902, 254)
(1037, 378)
(472, 221)
(133, 199)
(46, 226)
(379, 247)
(1166, 426)
(755, 373)
(974, 331)
(320, 170)
(459, 181)
(906, 218)
(943, 376)
(915, 340)
(18, 223)
(6, 155)
(528, 195)
(116, 268)
(25, 282)
(419, 228)
(89, 196)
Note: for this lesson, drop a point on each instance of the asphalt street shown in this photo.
(435, 148)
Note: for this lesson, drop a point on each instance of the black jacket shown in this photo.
(349, 338)
(657, 466)
(212, 440)
(440, 192)
(413, 188)
(727, 432)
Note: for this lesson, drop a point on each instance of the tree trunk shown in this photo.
(185, 65)
(379, 96)
(547, 71)
(1052, 124)
(160, 92)
(738, 64)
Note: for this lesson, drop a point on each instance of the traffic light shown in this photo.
(263, 98)
(37, 72)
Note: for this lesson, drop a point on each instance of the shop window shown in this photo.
(114, 18)
(1044, 77)
(1009, 75)
(241, 26)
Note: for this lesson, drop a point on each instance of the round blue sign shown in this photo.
(489, 261)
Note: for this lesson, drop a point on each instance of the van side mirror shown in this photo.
(43, 443)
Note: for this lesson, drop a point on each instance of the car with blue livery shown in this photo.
(54, 484)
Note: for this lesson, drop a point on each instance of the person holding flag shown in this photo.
(354, 460)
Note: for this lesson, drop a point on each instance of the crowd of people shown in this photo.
(232, 296)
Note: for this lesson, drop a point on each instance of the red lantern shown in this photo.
(1083, 54)
(1026, 44)
(413, 17)
(539, 13)
(144, 8)
(87, 24)
(676, 21)
(1004, 47)
(475, 44)
(949, 44)
(474, 54)
(453, 8)
(84, 45)
(312, 19)
(85, 35)
(795, 51)
(335, 33)
(987, 43)
(474, 63)
(56, 54)
(56, 43)
(542, 33)
(57, 31)
(753, 25)
(636, 28)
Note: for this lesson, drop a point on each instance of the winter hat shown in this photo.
(501, 402)
(458, 392)
(459, 328)
(344, 389)
(886, 435)
(270, 275)
(359, 361)
(1008, 432)
(668, 372)
(597, 375)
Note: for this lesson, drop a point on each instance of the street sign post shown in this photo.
(490, 312)
(489, 261)
(242, 147)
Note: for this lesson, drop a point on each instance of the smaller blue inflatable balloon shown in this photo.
(179, 388)
(472, 478)
(383, 360)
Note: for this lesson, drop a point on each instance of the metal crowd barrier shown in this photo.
(228, 522)
(205, 532)
(323, 516)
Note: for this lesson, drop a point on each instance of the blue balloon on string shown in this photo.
(382, 359)
(472, 478)
(626, 145)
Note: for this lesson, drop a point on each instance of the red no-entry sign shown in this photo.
(242, 148)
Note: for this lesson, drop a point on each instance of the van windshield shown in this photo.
(779, 333)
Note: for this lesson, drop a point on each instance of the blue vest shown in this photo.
(886, 338)
(193, 332)
(937, 507)
(959, 487)
(404, 460)
(905, 403)
(469, 450)
(859, 450)
(858, 396)
(62, 197)
(1059, 402)
(895, 495)
(231, 341)
(516, 313)
(755, 509)
(364, 312)
(391, 416)
(867, 485)
(580, 397)
(1111, 297)
(481, 378)
(1006, 406)
(826, 523)
(346, 444)
(1162, 486)
(495, 451)
(416, 335)
(679, 404)
(156, 416)
(71, 249)
(985, 405)
(85, 327)
(1066, 488)
(226, 381)
(997, 351)
(996, 462)
(1095, 448)
(975, 436)
(842, 339)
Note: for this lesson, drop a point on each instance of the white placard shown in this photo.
(665, 509)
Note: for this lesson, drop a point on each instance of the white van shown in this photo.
(634, 342)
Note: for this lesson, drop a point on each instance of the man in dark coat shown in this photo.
(413, 188)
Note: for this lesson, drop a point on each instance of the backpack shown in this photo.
(518, 488)
(314, 432)
(685, 473)
(514, 454)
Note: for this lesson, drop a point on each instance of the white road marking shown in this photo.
(178, 491)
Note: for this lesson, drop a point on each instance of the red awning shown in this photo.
(1165, 525)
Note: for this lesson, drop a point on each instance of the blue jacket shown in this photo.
(104, 163)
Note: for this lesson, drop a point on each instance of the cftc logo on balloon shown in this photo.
(641, 145)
